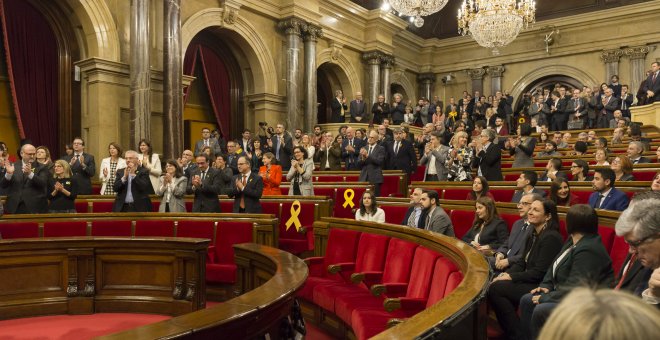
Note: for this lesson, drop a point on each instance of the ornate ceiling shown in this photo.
(443, 24)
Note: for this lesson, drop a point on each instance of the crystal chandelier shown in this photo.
(417, 8)
(495, 23)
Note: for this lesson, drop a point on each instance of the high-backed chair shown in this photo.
(111, 228)
(162, 228)
(293, 240)
(220, 267)
(462, 221)
(19, 230)
(65, 229)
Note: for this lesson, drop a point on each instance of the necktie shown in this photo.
(412, 218)
(243, 179)
(600, 200)
(242, 204)
(632, 260)
(277, 149)
(396, 148)
(206, 142)
(350, 141)
(655, 75)
(370, 149)
(203, 175)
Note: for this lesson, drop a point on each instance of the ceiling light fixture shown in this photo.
(417, 8)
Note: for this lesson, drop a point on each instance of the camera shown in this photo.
(263, 124)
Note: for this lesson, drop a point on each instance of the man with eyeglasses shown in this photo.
(133, 186)
(26, 182)
(205, 183)
(246, 189)
(372, 158)
(83, 167)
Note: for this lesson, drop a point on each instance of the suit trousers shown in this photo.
(533, 316)
(503, 298)
(560, 122)
(377, 189)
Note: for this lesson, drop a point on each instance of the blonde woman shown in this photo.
(109, 167)
(460, 158)
(601, 157)
(151, 162)
(61, 189)
(306, 143)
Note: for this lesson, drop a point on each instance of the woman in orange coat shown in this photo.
(271, 174)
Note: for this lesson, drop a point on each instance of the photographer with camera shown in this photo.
(265, 132)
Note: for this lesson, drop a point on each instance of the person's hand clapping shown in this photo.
(27, 168)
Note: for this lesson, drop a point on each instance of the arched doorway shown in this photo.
(328, 81)
(549, 82)
(398, 88)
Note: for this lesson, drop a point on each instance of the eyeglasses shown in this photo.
(524, 203)
(575, 166)
(636, 244)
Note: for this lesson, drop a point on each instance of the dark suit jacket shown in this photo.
(586, 263)
(490, 162)
(515, 244)
(358, 110)
(206, 196)
(494, 234)
(397, 112)
(560, 173)
(405, 159)
(653, 86)
(635, 277)
(380, 111)
(372, 167)
(615, 200)
(140, 188)
(519, 194)
(336, 107)
(251, 193)
(643, 160)
(420, 221)
(83, 177)
(439, 222)
(609, 108)
(32, 192)
(286, 150)
(351, 158)
(541, 254)
(331, 155)
(213, 144)
(232, 163)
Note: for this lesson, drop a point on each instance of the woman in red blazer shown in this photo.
(271, 174)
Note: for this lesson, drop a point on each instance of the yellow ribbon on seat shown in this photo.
(453, 115)
(348, 198)
(295, 211)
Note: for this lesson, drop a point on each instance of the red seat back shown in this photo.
(511, 177)
(502, 195)
(644, 175)
(462, 221)
(81, 206)
(398, 262)
(421, 273)
(225, 206)
(195, 229)
(342, 246)
(606, 236)
(161, 228)
(111, 228)
(390, 185)
(394, 213)
(102, 206)
(228, 234)
(456, 193)
(582, 195)
(618, 253)
(327, 179)
(371, 252)
(65, 229)
(441, 275)
(510, 219)
(19, 230)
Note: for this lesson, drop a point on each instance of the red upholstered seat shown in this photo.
(418, 175)
(341, 248)
(511, 178)
(111, 228)
(189, 205)
(456, 193)
(370, 258)
(292, 240)
(81, 206)
(102, 206)
(390, 185)
(618, 253)
(502, 195)
(225, 206)
(220, 267)
(351, 178)
(510, 219)
(606, 236)
(644, 175)
(163, 228)
(285, 190)
(195, 229)
(65, 229)
(347, 211)
(582, 195)
(19, 230)
(398, 264)
(562, 229)
(462, 221)
(394, 213)
(155, 205)
(327, 179)
(507, 165)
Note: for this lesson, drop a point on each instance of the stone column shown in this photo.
(140, 73)
(477, 76)
(310, 36)
(611, 60)
(373, 59)
(637, 55)
(387, 62)
(495, 78)
(172, 87)
(292, 27)
(426, 83)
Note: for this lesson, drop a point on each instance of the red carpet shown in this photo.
(314, 333)
(73, 327)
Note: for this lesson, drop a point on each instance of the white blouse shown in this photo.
(155, 169)
(379, 216)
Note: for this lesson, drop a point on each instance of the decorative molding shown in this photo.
(495, 71)
(373, 57)
(387, 61)
(637, 52)
(336, 51)
(292, 25)
(476, 73)
(427, 78)
(611, 56)
(312, 33)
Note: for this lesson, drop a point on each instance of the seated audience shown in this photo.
(645, 239)
(617, 135)
(635, 150)
(437, 219)
(415, 216)
(488, 230)
(560, 193)
(522, 147)
(553, 170)
(606, 314)
(43, 158)
(369, 210)
(561, 143)
(623, 168)
(459, 158)
(62, 189)
(606, 196)
(171, 188)
(601, 157)
(479, 189)
(300, 173)
(582, 260)
(580, 171)
(543, 138)
(550, 150)
(655, 185)
(542, 245)
(109, 167)
(526, 184)
(566, 140)
(657, 154)
(133, 186)
(271, 174)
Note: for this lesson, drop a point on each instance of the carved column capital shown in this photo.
(387, 61)
(611, 56)
(427, 78)
(496, 71)
(373, 57)
(637, 52)
(336, 50)
(292, 25)
(312, 32)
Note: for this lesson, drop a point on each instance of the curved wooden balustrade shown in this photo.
(462, 314)
(271, 279)
(87, 275)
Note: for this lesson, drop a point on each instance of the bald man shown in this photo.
(26, 182)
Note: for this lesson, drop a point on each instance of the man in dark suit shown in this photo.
(631, 274)
(328, 155)
(207, 140)
(232, 156)
(436, 219)
(606, 196)
(186, 163)
(401, 154)
(83, 167)
(626, 101)
(380, 110)
(577, 107)
(558, 112)
(512, 252)
(605, 109)
(132, 186)
(247, 189)
(358, 109)
(25, 182)
(350, 149)
(371, 161)
(488, 160)
(526, 184)
(651, 87)
(415, 216)
(205, 183)
(281, 145)
(635, 150)
(553, 170)
(338, 107)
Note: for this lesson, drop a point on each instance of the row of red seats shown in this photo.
(389, 187)
(367, 279)
(505, 195)
(220, 267)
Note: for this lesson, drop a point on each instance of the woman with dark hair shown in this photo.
(68, 150)
(583, 260)
(655, 184)
(560, 193)
(622, 167)
(271, 173)
(543, 138)
(171, 188)
(542, 244)
(580, 148)
(151, 162)
(479, 189)
(522, 147)
(62, 189)
(488, 230)
(369, 210)
(300, 173)
(255, 156)
(43, 157)
(580, 171)
(109, 167)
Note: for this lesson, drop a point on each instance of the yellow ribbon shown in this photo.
(295, 211)
(521, 120)
(348, 198)
(453, 115)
